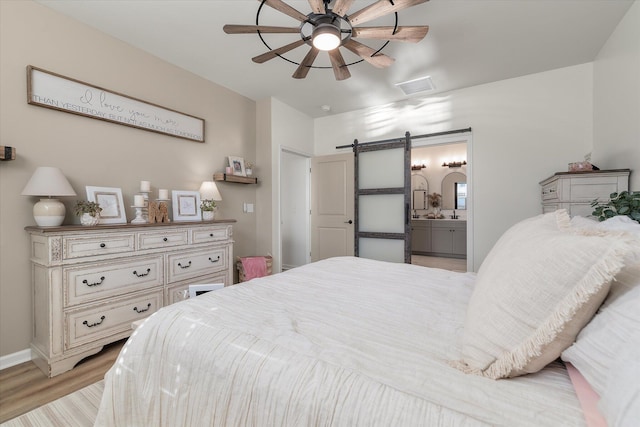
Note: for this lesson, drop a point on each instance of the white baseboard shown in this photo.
(15, 359)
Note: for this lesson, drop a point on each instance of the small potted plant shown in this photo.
(89, 212)
(623, 203)
(248, 168)
(208, 208)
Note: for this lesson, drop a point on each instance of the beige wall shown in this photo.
(524, 130)
(617, 99)
(93, 152)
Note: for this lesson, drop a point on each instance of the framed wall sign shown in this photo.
(51, 90)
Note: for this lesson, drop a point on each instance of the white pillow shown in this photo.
(610, 335)
(539, 285)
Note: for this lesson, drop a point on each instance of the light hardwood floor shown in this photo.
(452, 264)
(24, 387)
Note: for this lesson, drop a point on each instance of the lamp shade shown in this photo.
(209, 191)
(48, 181)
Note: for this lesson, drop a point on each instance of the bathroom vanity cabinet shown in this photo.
(439, 237)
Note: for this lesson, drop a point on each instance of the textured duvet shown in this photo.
(341, 342)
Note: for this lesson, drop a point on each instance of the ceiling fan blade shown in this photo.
(275, 52)
(281, 6)
(317, 6)
(342, 6)
(250, 29)
(402, 34)
(380, 8)
(379, 60)
(305, 65)
(340, 69)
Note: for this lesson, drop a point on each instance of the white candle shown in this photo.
(138, 200)
(163, 194)
(145, 186)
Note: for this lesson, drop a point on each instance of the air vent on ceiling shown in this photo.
(416, 85)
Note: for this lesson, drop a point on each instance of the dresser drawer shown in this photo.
(92, 324)
(587, 189)
(103, 244)
(89, 283)
(180, 291)
(196, 263)
(550, 191)
(210, 234)
(163, 239)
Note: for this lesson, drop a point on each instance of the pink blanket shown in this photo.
(254, 266)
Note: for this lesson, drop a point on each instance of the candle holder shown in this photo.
(145, 208)
(139, 219)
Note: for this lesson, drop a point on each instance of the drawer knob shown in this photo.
(95, 283)
(142, 274)
(91, 325)
(184, 266)
(165, 240)
(142, 310)
(211, 235)
(103, 245)
(215, 260)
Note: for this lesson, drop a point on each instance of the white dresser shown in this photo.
(574, 191)
(91, 283)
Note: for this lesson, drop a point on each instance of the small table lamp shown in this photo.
(48, 181)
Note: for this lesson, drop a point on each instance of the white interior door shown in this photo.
(332, 209)
(382, 200)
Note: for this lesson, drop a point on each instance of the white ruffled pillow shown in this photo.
(540, 284)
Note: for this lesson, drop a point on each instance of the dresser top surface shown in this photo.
(128, 226)
(589, 173)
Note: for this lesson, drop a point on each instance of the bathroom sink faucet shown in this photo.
(454, 216)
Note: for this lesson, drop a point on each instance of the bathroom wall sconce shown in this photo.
(454, 164)
(418, 167)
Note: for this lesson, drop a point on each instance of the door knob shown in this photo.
(348, 222)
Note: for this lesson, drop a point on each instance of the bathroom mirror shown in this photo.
(454, 191)
(420, 189)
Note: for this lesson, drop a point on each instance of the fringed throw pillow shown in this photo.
(539, 285)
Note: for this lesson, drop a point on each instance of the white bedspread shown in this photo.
(342, 342)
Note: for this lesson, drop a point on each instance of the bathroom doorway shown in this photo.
(442, 202)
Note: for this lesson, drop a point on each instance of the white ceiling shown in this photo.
(470, 42)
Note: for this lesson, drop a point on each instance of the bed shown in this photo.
(344, 341)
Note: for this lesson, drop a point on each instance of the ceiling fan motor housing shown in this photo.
(320, 25)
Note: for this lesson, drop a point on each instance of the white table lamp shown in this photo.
(209, 191)
(48, 181)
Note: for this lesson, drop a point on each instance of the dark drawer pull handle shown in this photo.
(142, 310)
(93, 284)
(94, 324)
(165, 240)
(214, 260)
(103, 245)
(211, 235)
(184, 266)
(142, 274)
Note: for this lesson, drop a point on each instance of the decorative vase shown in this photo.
(208, 215)
(87, 219)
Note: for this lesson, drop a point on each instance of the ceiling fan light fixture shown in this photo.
(326, 37)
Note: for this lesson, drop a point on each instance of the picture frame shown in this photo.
(237, 166)
(110, 200)
(186, 205)
(195, 290)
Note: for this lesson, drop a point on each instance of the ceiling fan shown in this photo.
(328, 27)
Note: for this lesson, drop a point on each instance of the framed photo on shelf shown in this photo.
(186, 205)
(195, 290)
(237, 166)
(110, 200)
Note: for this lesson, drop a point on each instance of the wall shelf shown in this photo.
(221, 176)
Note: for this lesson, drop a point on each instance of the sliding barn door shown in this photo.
(382, 197)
